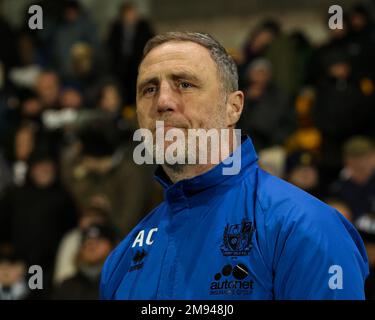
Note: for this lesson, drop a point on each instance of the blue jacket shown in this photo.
(244, 236)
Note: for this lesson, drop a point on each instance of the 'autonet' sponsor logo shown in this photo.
(232, 281)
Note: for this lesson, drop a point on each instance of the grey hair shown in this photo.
(226, 66)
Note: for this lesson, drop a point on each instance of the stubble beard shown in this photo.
(179, 168)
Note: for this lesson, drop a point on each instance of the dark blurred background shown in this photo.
(69, 189)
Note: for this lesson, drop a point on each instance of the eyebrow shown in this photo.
(174, 76)
(186, 75)
(147, 81)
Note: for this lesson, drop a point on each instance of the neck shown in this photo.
(182, 172)
(187, 171)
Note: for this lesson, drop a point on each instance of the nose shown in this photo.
(167, 100)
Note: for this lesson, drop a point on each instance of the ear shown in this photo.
(234, 107)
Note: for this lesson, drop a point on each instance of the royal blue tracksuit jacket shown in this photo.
(244, 236)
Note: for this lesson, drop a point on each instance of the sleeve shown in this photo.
(319, 255)
(104, 293)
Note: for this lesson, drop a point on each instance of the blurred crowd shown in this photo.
(69, 189)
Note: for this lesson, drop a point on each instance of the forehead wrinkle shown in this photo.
(165, 55)
(178, 49)
(172, 73)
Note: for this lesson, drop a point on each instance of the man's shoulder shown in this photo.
(280, 201)
(291, 216)
(120, 255)
(153, 217)
(151, 220)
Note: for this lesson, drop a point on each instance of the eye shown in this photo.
(185, 85)
(149, 90)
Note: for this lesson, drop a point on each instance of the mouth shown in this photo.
(167, 127)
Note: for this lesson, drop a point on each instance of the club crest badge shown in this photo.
(237, 239)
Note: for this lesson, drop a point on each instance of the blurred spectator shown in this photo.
(7, 50)
(283, 55)
(301, 170)
(342, 109)
(70, 244)
(13, 277)
(35, 216)
(256, 44)
(273, 160)
(47, 88)
(18, 152)
(99, 164)
(85, 70)
(356, 184)
(306, 135)
(341, 207)
(97, 242)
(366, 227)
(31, 108)
(337, 42)
(362, 40)
(303, 53)
(27, 69)
(70, 98)
(356, 40)
(127, 37)
(81, 55)
(5, 173)
(4, 111)
(266, 108)
(22, 105)
(110, 101)
(75, 27)
(361, 22)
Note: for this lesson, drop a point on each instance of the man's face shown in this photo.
(304, 177)
(340, 70)
(361, 167)
(358, 21)
(111, 99)
(70, 99)
(260, 75)
(43, 173)
(48, 87)
(178, 83)
(11, 272)
(262, 40)
(95, 250)
(71, 14)
(90, 217)
(130, 16)
(31, 108)
(24, 143)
